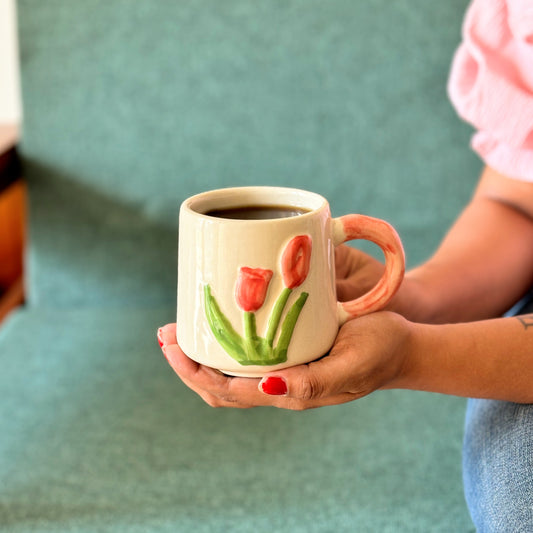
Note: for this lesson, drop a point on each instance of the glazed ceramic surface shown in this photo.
(259, 295)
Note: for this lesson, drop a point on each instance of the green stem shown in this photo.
(275, 317)
(250, 334)
(250, 331)
(288, 325)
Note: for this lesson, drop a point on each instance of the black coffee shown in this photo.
(258, 212)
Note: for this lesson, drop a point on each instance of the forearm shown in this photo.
(486, 359)
(484, 264)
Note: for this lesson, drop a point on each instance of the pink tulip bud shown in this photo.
(295, 261)
(251, 288)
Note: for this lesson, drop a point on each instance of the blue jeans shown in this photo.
(498, 466)
(498, 463)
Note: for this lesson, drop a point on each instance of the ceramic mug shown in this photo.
(257, 295)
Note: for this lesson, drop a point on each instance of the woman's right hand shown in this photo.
(357, 272)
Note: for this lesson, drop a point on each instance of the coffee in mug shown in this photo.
(258, 212)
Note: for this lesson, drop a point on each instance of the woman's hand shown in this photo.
(369, 353)
(356, 272)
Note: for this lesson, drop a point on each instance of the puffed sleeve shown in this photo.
(491, 83)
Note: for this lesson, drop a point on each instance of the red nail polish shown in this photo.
(159, 340)
(274, 386)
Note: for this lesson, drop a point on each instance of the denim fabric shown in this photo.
(498, 461)
(498, 466)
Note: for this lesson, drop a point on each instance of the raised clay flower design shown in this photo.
(250, 293)
(295, 261)
(251, 288)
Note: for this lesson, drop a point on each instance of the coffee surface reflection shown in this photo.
(258, 212)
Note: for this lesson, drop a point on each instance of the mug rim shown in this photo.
(226, 198)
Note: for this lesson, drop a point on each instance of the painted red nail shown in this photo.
(159, 340)
(275, 386)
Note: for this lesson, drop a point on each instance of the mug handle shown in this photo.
(378, 231)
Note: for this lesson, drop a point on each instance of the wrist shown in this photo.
(402, 336)
(408, 354)
(414, 300)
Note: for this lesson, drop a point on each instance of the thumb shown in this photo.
(320, 380)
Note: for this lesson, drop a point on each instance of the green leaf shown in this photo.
(222, 329)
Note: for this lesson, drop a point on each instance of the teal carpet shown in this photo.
(98, 434)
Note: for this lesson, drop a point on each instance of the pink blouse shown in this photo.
(491, 83)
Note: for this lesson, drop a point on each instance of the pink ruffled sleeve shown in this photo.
(491, 83)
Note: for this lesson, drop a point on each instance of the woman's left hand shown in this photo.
(369, 353)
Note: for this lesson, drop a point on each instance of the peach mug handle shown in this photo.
(378, 231)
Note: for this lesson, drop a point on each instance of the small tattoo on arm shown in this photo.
(526, 320)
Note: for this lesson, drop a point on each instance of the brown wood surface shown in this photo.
(12, 217)
(12, 223)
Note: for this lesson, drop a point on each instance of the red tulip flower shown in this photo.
(251, 288)
(295, 261)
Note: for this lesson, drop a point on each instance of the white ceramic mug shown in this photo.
(259, 295)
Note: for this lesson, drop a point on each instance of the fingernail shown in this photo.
(273, 385)
(160, 337)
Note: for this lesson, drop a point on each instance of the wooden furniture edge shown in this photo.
(12, 298)
(10, 173)
(10, 168)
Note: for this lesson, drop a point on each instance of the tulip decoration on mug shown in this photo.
(256, 277)
(250, 293)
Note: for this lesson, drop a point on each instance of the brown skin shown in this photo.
(436, 335)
